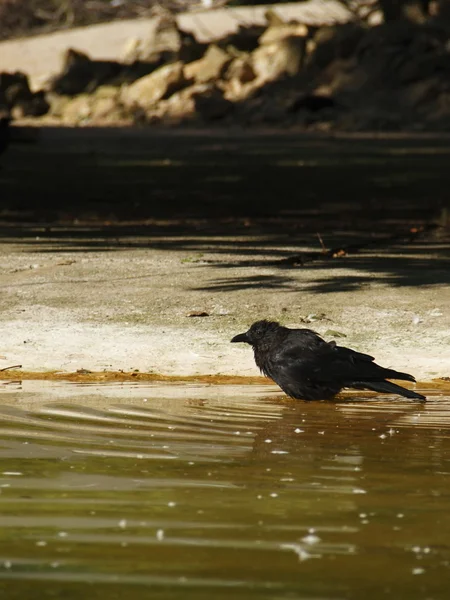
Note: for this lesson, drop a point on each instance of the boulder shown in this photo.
(106, 110)
(167, 43)
(333, 42)
(17, 96)
(160, 84)
(191, 49)
(80, 74)
(211, 105)
(277, 59)
(35, 106)
(279, 29)
(164, 39)
(236, 91)
(75, 111)
(57, 104)
(245, 39)
(210, 67)
(280, 32)
(131, 51)
(102, 107)
(202, 100)
(181, 105)
(241, 69)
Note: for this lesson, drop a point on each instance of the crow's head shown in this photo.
(258, 331)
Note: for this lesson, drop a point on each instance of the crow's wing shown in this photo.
(346, 365)
(317, 361)
(357, 367)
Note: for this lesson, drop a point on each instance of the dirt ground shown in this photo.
(115, 242)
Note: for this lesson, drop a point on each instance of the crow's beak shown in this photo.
(241, 337)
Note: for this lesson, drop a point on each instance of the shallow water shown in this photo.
(177, 491)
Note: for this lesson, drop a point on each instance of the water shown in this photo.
(176, 491)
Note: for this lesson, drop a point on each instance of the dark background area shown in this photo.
(120, 174)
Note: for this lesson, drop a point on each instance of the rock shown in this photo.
(191, 49)
(20, 100)
(132, 51)
(77, 110)
(273, 18)
(236, 91)
(57, 104)
(210, 67)
(81, 74)
(259, 110)
(349, 76)
(241, 69)
(181, 105)
(36, 106)
(420, 93)
(203, 100)
(239, 80)
(279, 29)
(14, 88)
(103, 107)
(108, 91)
(332, 43)
(107, 110)
(245, 39)
(167, 43)
(211, 104)
(165, 39)
(160, 84)
(281, 32)
(285, 57)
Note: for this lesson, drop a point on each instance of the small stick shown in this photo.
(324, 248)
(11, 367)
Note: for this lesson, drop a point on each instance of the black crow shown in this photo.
(308, 368)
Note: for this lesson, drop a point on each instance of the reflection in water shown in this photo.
(203, 491)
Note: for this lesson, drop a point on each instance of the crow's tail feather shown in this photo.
(391, 374)
(391, 388)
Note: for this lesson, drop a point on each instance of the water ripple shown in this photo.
(194, 488)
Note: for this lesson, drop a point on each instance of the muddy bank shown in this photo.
(434, 387)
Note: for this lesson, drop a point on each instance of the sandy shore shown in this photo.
(97, 295)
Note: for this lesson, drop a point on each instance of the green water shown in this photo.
(176, 491)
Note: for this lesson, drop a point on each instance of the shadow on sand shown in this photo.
(281, 201)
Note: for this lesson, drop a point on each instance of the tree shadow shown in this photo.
(307, 212)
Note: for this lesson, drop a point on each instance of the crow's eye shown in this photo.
(257, 332)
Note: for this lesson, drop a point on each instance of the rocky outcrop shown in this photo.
(391, 76)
